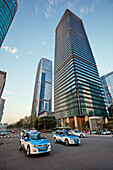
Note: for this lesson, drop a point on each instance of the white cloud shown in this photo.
(12, 51)
(70, 5)
(49, 5)
(92, 8)
(43, 43)
(83, 10)
(47, 15)
(51, 2)
(88, 10)
(17, 57)
(36, 10)
(9, 92)
(30, 52)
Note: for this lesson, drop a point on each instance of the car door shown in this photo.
(76, 132)
(26, 141)
(57, 136)
(62, 137)
(23, 140)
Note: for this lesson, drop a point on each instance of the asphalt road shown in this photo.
(94, 153)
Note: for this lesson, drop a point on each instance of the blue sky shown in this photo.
(32, 36)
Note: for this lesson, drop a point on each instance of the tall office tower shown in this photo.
(42, 99)
(2, 102)
(8, 9)
(107, 83)
(78, 91)
(2, 84)
(2, 81)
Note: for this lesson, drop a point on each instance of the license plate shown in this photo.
(76, 141)
(43, 149)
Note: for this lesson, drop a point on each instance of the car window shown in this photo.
(27, 135)
(24, 135)
(61, 133)
(68, 133)
(57, 132)
(36, 136)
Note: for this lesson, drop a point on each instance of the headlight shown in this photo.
(74, 139)
(41, 145)
(48, 144)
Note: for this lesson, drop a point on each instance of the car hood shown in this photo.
(39, 142)
(73, 136)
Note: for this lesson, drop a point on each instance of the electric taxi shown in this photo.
(66, 137)
(34, 142)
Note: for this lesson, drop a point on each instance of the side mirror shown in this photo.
(45, 136)
(26, 138)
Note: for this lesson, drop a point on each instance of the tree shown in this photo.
(46, 122)
(87, 124)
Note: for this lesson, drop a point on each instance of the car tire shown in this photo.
(28, 151)
(66, 142)
(54, 140)
(77, 144)
(20, 146)
(81, 136)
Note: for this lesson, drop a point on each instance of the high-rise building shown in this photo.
(78, 92)
(2, 102)
(2, 81)
(107, 83)
(2, 84)
(8, 9)
(42, 99)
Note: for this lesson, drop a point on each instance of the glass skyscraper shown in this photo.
(8, 9)
(78, 91)
(42, 99)
(107, 83)
(2, 84)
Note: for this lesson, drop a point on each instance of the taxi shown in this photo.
(66, 137)
(34, 142)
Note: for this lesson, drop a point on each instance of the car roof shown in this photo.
(31, 131)
(61, 131)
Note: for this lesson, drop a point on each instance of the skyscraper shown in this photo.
(2, 102)
(107, 83)
(2, 84)
(77, 88)
(42, 99)
(8, 9)
(2, 81)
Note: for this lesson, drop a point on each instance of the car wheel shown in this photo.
(28, 151)
(20, 147)
(54, 140)
(66, 142)
(81, 136)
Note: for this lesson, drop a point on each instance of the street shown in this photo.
(94, 153)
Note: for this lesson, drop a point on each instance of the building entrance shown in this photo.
(81, 123)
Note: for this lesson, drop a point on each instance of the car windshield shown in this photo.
(36, 136)
(69, 133)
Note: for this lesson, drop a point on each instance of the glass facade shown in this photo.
(8, 9)
(2, 81)
(2, 84)
(2, 102)
(107, 83)
(42, 100)
(77, 85)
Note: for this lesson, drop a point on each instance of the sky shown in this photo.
(31, 37)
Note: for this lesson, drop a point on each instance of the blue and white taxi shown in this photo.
(34, 142)
(66, 137)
